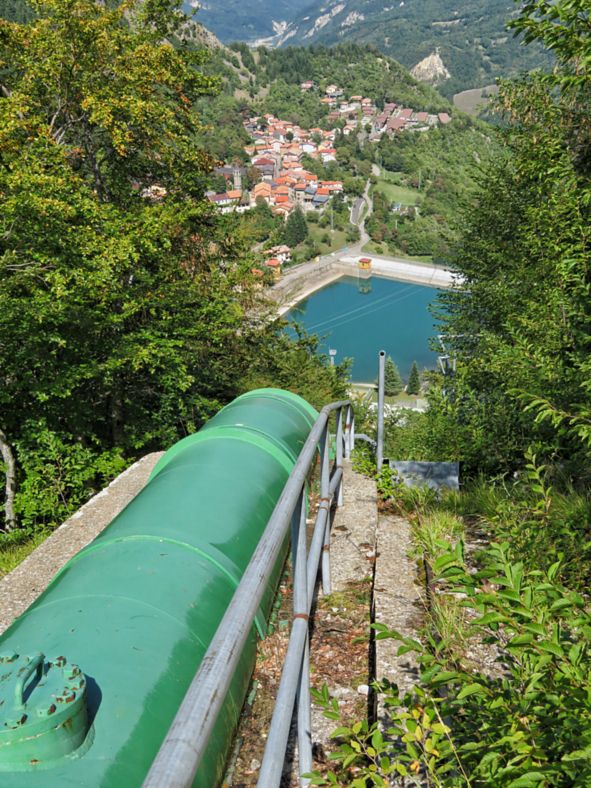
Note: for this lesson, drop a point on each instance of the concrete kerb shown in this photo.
(21, 587)
(304, 280)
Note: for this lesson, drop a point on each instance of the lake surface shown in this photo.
(359, 318)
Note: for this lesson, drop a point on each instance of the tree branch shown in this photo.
(10, 488)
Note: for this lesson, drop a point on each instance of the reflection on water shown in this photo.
(359, 317)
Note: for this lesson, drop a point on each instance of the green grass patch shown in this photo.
(338, 238)
(370, 393)
(382, 250)
(15, 547)
(397, 193)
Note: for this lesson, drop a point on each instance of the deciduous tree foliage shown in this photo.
(521, 323)
(124, 300)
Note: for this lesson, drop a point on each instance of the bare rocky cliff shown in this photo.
(431, 69)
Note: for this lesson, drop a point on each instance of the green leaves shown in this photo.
(123, 296)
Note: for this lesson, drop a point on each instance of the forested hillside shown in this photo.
(472, 38)
(15, 10)
(233, 20)
(127, 306)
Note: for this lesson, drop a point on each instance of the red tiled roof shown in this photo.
(396, 123)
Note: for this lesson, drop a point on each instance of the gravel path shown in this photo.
(397, 604)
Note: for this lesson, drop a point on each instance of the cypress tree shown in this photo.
(296, 229)
(414, 382)
(392, 380)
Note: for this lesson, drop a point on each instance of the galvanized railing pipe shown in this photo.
(380, 430)
(325, 497)
(300, 608)
(295, 660)
(340, 452)
(183, 748)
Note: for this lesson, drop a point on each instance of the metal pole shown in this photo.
(300, 610)
(340, 453)
(317, 542)
(186, 741)
(305, 718)
(380, 436)
(325, 498)
(348, 431)
(274, 755)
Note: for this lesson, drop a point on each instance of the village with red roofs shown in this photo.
(278, 148)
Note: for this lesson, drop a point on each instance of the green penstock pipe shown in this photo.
(92, 674)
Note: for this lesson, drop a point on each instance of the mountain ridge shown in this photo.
(472, 39)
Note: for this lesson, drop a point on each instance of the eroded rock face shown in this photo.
(431, 69)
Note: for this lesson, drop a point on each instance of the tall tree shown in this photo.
(521, 324)
(392, 381)
(414, 382)
(122, 296)
(296, 229)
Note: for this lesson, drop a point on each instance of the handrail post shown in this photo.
(300, 610)
(348, 430)
(339, 457)
(325, 499)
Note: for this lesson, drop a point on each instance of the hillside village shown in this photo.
(279, 146)
(361, 113)
(276, 154)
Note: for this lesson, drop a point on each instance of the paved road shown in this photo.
(355, 249)
(356, 210)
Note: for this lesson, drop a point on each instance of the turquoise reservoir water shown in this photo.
(361, 317)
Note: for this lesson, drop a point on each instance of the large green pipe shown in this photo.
(137, 608)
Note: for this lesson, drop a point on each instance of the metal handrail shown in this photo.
(182, 750)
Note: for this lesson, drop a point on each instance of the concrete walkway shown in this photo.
(354, 531)
(397, 604)
(366, 543)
